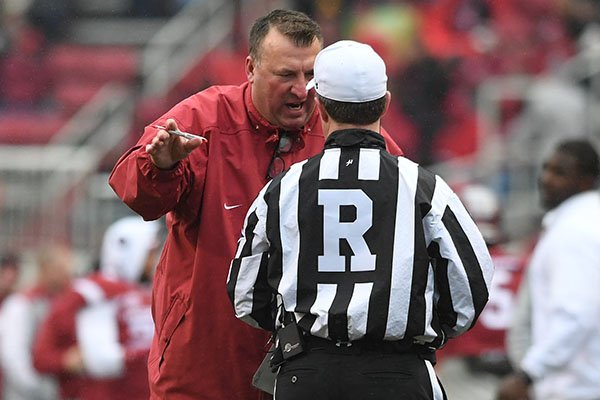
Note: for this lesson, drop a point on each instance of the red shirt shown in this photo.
(200, 350)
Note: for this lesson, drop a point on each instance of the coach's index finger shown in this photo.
(171, 125)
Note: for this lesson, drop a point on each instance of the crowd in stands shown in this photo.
(45, 75)
(439, 52)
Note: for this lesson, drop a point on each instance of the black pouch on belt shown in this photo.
(290, 340)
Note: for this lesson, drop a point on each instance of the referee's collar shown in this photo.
(355, 137)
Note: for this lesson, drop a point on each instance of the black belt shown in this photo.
(364, 345)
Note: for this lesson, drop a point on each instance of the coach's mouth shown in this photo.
(295, 106)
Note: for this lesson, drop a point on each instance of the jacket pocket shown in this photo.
(172, 320)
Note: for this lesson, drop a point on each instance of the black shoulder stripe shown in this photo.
(445, 307)
(263, 298)
(468, 258)
(249, 234)
(425, 190)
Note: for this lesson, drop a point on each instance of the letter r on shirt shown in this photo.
(353, 232)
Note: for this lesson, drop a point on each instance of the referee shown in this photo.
(363, 263)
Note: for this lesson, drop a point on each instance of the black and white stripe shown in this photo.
(360, 243)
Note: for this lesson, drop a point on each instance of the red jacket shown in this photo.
(200, 350)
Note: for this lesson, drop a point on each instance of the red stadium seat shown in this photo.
(71, 95)
(218, 67)
(29, 127)
(79, 71)
(100, 64)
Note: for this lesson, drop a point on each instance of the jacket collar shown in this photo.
(355, 137)
(577, 201)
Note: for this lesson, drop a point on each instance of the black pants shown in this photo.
(350, 374)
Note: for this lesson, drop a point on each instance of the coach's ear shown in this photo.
(249, 67)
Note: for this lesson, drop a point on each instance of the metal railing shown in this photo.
(40, 182)
(196, 30)
(51, 192)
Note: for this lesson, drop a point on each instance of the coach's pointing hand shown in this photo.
(166, 150)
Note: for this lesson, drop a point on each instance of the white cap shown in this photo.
(125, 247)
(350, 72)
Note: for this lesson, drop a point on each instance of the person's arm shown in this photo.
(54, 348)
(98, 338)
(515, 386)
(247, 284)
(15, 347)
(518, 335)
(573, 302)
(463, 266)
(153, 176)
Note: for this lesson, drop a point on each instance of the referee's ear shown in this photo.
(324, 116)
(388, 100)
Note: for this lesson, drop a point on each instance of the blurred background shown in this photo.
(481, 90)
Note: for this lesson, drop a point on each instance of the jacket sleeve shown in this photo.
(518, 335)
(573, 303)
(149, 191)
(463, 265)
(98, 338)
(247, 284)
(56, 334)
(152, 192)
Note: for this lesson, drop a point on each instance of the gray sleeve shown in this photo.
(518, 337)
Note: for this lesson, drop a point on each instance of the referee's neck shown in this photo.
(333, 126)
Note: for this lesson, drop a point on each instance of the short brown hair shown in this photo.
(295, 25)
(354, 113)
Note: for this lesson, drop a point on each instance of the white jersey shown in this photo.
(20, 316)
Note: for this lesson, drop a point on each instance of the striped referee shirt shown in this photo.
(358, 243)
